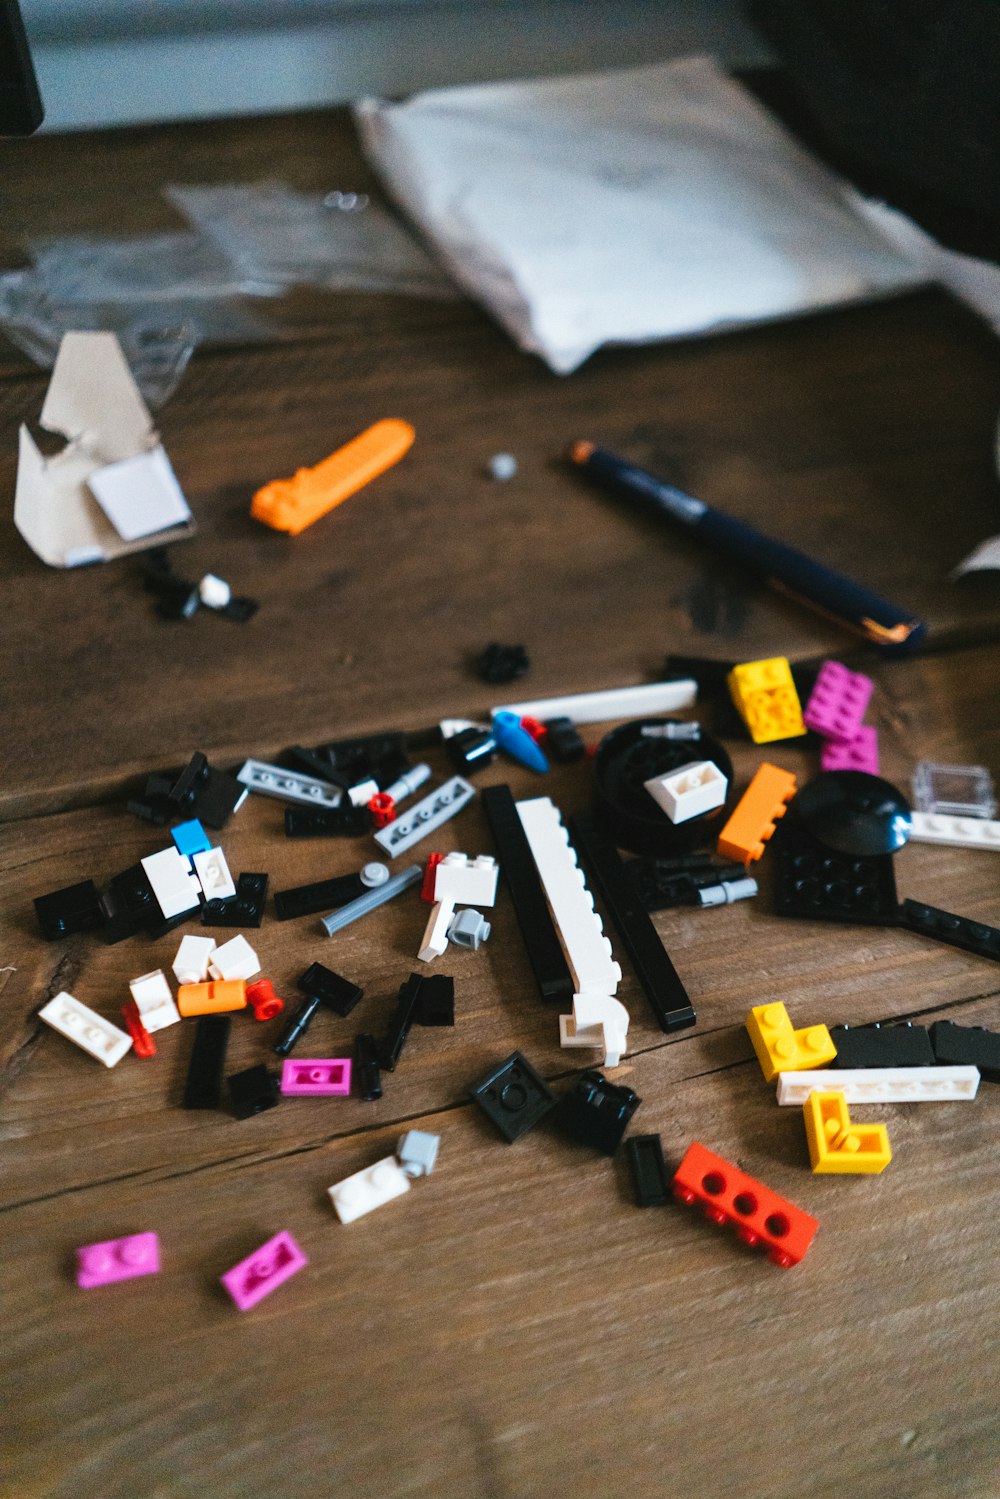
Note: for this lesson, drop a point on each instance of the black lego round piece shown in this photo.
(627, 758)
(502, 663)
(852, 812)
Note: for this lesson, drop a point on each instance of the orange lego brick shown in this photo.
(836, 1146)
(211, 999)
(293, 504)
(756, 813)
(781, 1048)
(765, 696)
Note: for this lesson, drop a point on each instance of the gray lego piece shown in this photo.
(469, 928)
(372, 899)
(425, 817)
(288, 785)
(417, 1152)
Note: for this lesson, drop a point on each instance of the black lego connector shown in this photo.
(595, 1112)
(470, 750)
(203, 1087)
(61, 913)
(297, 1026)
(882, 1046)
(562, 742)
(967, 1046)
(513, 1096)
(367, 1076)
(336, 993)
(649, 1171)
(254, 1090)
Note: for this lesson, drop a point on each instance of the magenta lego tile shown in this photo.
(861, 753)
(264, 1270)
(316, 1077)
(837, 703)
(117, 1259)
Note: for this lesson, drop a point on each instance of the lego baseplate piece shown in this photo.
(588, 951)
(288, 785)
(882, 1084)
(425, 816)
(838, 1147)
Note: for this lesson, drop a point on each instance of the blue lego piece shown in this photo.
(190, 838)
(517, 742)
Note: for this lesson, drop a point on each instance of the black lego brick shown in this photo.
(253, 1090)
(75, 908)
(649, 1171)
(881, 1046)
(513, 1096)
(203, 1087)
(967, 1046)
(595, 1112)
(436, 1000)
(327, 822)
(548, 962)
(390, 1047)
(244, 909)
(321, 895)
(367, 1075)
(956, 931)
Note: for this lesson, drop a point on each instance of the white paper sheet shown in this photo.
(628, 206)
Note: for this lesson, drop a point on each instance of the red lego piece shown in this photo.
(263, 1001)
(760, 1217)
(427, 889)
(536, 729)
(142, 1042)
(383, 809)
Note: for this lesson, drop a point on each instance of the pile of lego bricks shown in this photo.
(353, 787)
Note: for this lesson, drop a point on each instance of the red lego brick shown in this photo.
(760, 1217)
(427, 889)
(142, 1042)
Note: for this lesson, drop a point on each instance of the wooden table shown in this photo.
(516, 1327)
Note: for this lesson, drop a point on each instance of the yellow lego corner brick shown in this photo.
(765, 696)
(836, 1146)
(781, 1048)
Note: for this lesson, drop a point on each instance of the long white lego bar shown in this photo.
(588, 951)
(882, 1084)
(618, 702)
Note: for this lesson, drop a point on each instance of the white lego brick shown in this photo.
(193, 957)
(425, 816)
(288, 785)
(213, 875)
(465, 881)
(954, 832)
(361, 794)
(689, 791)
(435, 939)
(91, 1032)
(588, 951)
(235, 959)
(601, 707)
(882, 1084)
(154, 1001)
(175, 887)
(368, 1189)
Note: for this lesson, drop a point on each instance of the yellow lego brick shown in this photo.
(781, 1048)
(838, 1146)
(765, 697)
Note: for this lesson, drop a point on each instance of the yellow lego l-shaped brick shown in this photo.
(765, 697)
(838, 1146)
(781, 1048)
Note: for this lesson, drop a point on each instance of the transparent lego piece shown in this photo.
(953, 790)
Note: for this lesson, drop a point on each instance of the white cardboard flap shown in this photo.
(92, 397)
(140, 495)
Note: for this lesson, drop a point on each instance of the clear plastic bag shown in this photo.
(276, 237)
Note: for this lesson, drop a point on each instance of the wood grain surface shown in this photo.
(516, 1327)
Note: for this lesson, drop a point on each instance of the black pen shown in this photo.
(789, 571)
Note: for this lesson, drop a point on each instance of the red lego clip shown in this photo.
(142, 1042)
(430, 875)
(759, 1216)
(263, 1001)
(537, 730)
(383, 809)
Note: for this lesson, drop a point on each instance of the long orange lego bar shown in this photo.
(293, 504)
(756, 813)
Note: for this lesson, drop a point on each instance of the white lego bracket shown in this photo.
(465, 881)
(588, 951)
(597, 1022)
(153, 998)
(213, 874)
(882, 1084)
(435, 939)
(954, 832)
(91, 1032)
(689, 791)
(368, 1189)
(175, 887)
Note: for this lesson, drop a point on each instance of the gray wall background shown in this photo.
(115, 62)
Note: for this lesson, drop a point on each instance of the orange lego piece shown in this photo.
(293, 504)
(213, 998)
(756, 813)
